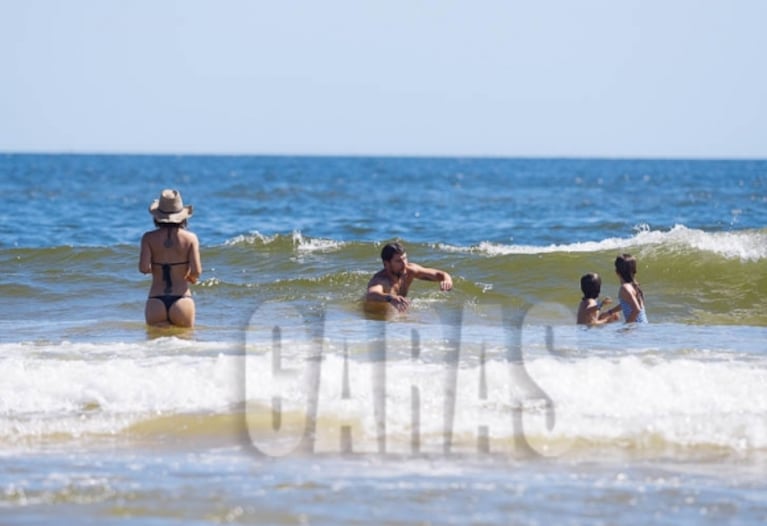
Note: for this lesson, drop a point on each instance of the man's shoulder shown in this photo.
(380, 277)
(414, 268)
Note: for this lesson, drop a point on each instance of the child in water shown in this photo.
(589, 310)
(630, 295)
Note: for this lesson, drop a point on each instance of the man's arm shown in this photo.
(378, 291)
(431, 274)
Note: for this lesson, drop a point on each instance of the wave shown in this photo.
(71, 389)
(296, 241)
(688, 275)
(646, 402)
(748, 245)
(556, 406)
(745, 245)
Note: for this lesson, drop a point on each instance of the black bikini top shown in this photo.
(166, 274)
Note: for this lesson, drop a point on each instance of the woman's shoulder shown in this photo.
(187, 235)
(192, 237)
(149, 234)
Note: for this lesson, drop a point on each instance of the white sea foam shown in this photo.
(629, 400)
(302, 244)
(624, 402)
(253, 238)
(82, 388)
(747, 245)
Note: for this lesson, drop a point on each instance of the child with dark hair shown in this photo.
(630, 295)
(589, 310)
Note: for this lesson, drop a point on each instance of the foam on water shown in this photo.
(639, 402)
(82, 388)
(297, 241)
(253, 238)
(743, 245)
(303, 244)
(626, 400)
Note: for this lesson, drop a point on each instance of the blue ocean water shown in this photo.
(458, 201)
(104, 421)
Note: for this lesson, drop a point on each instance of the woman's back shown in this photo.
(171, 254)
(172, 258)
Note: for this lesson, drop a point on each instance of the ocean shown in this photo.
(289, 404)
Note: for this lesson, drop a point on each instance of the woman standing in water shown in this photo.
(630, 295)
(171, 253)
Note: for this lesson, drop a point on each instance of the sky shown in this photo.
(508, 78)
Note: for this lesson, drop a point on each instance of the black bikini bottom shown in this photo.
(168, 299)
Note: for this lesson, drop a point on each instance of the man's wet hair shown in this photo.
(388, 251)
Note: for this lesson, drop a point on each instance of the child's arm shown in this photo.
(609, 315)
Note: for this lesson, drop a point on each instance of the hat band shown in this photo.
(172, 211)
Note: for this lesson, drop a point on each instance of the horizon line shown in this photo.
(128, 153)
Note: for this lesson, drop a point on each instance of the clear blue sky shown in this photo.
(611, 78)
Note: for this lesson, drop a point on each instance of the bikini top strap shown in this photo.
(166, 274)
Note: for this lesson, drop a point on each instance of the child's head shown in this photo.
(591, 284)
(626, 267)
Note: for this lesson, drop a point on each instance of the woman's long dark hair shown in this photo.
(626, 267)
(170, 228)
(182, 224)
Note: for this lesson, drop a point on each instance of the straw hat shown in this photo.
(169, 208)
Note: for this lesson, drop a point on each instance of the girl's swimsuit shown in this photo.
(641, 318)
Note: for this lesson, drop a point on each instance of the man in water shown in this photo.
(392, 282)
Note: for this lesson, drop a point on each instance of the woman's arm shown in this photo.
(145, 256)
(195, 263)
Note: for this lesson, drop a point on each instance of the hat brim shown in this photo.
(174, 217)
